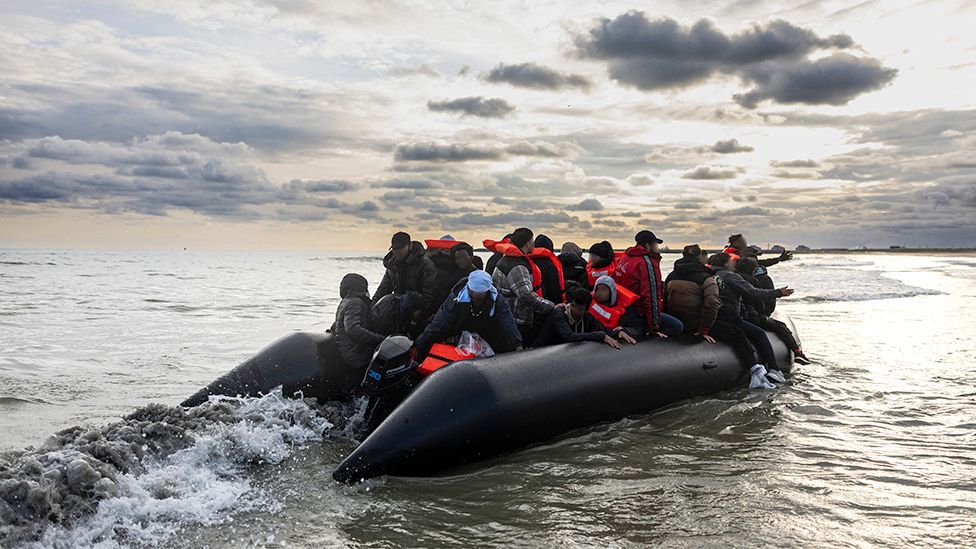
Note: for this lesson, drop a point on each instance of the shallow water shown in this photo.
(871, 445)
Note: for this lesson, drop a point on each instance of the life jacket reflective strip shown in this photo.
(538, 253)
(593, 274)
(733, 252)
(505, 247)
(442, 244)
(610, 316)
(440, 355)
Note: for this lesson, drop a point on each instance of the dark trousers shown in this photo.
(781, 330)
(730, 333)
(759, 338)
(529, 333)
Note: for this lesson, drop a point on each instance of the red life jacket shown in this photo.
(442, 244)
(593, 274)
(610, 316)
(733, 252)
(440, 355)
(545, 254)
(505, 247)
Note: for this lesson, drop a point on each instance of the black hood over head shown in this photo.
(353, 284)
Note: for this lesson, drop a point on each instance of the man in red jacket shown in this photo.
(640, 272)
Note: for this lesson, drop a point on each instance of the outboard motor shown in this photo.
(390, 377)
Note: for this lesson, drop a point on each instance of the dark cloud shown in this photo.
(587, 205)
(711, 172)
(531, 75)
(773, 58)
(474, 106)
(432, 151)
(794, 163)
(422, 70)
(730, 146)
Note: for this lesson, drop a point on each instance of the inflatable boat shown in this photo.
(476, 409)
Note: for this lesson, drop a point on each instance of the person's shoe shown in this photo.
(800, 358)
(758, 379)
(775, 375)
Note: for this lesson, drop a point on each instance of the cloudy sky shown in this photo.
(296, 124)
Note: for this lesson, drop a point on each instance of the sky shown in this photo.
(304, 125)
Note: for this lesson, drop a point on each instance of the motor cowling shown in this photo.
(390, 365)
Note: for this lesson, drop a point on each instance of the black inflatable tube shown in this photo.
(477, 409)
(300, 362)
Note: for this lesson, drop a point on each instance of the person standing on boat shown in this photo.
(353, 327)
(410, 277)
(519, 281)
(473, 306)
(640, 272)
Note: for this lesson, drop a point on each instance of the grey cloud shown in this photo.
(531, 75)
(711, 172)
(506, 219)
(587, 205)
(422, 70)
(432, 151)
(474, 106)
(730, 146)
(772, 58)
(794, 163)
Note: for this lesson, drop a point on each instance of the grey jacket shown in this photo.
(514, 282)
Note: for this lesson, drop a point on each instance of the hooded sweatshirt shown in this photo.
(353, 326)
(692, 294)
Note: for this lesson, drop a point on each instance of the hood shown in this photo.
(570, 258)
(417, 252)
(609, 283)
(637, 251)
(688, 265)
(352, 285)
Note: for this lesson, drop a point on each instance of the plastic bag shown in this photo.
(472, 344)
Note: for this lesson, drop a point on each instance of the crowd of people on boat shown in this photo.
(526, 295)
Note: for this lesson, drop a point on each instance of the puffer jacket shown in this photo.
(496, 326)
(640, 272)
(733, 290)
(574, 268)
(416, 273)
(692, 295)
(353, 330)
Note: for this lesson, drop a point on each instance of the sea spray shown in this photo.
(139, 480)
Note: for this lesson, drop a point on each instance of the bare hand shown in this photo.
(786, 291)
(626, 337)
(519, 348)
(609, 340)
(661, 335)
(561, 306)
(707, 338)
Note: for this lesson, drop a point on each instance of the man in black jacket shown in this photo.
(574, 323)
(574, 266)
(353, 330)
(411, 276)
(473, 306)
(551, 288)
(746, 267)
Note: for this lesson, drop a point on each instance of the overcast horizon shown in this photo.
(289, 125)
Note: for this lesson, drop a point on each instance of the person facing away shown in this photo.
(573, 323)
(602, 263)
(691, 293)
(574, 266)
(549, 267)
(495, 256)
(513, 276)
(640, 272)
(353, 327)
(733, 289)
(615, 307)
(473, 306)
(440, 254)
(411, 276)
(739, 247)
(746, 267)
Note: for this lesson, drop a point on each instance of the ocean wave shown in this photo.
(138, 481)
(908, 291)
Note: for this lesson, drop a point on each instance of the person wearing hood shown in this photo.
(733, 290)
(602, 262)
(410, 276)
(615, 308)
(746, 267)
(552, 283)
(573, 323)
(472, 306)
(640, 272)
(353, 327)
(513, 276)
(574, 266)
(691, 293)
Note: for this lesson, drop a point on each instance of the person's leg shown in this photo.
(759, 338)
(671, 326)
(782, 331)
(733, 336)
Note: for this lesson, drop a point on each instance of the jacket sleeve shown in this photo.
(438, 329)
(647, 297)
(522, 287)
(768, 262)
(759, 297)
(506, 324)
(357, 330)
(560, 325)
(712, 304)
(385, 287)
(428, 287)
(550, 283)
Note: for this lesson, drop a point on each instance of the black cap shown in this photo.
(400, 240)
(645, 237)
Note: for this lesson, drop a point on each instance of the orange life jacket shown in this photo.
(610, 316)
(733, 252)
(593, 274)
(505, 247)
(442, 244)
(440, 355)
(539, 253)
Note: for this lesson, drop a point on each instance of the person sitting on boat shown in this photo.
(550, 268)
(448, 274)
(691, 293)
(746, 267)
(615, 307)
(733, 290)
(574, 266)
(573, 322)
(762, 273)
(519, 281)
(739, 247)
(411, 277)
(640, 272)
(602, 263)
(495, 256)
(353, 327)
(473, 306)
